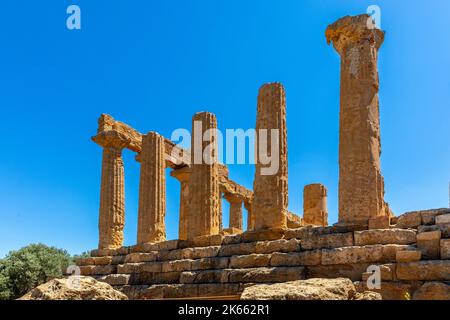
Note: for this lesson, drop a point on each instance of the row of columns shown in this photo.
(361, 185)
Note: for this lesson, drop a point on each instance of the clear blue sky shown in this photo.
(153, 64)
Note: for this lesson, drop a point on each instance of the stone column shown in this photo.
(235, 202)
(204, 193)
(250, 216)
(152, 190)
(112, 199)
(361, 186)
(271, 180)
(315, 210)
(182, 175)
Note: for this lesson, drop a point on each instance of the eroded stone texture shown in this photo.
(271, 186)
(204, 194)
(182, 175)
(361, 185)
(152, 190)
(112, 199)
(315, 210)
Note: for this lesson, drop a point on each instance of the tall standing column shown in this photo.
(315, 205)
(235, 202)
(152, 190)
(250, 217)
(204, 193)
(112, 199)
(361, 185)
(183, 175)
(271, 177)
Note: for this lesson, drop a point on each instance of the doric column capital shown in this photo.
(350, 31)
(233, 197)
(181, 174)
(112, 139)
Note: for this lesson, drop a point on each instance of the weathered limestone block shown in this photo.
(315, 210)
(250, 261)
(270, 185)
(237, 249)
(408, 255)
(352, 255)
(210, 263)
(304, 258)
(115, 279)
(232, 239)
(221, 290)
(411, 219)
(128, 268)
(152, 267)
(149, 278)
(432, 291)
(293, 221)
(327, 241)
(141, 257)
(85, 261)
(443, 219)
(179, 291)
(361, 185)
(100, 270)
(385, 236)
(351, 271)
(444, 228)
(167, 245)
(176, 265)
(133, 292)
(311, 289)
(428, 243)
(431, 270)
(203, 252)
(230, 231)
(158, 291)
(261, 235)
(445, 248)
(183, 175)
(236, 202)
(390, 251)
(118, 259)
(204, 194)
(206, 241)
(71, 288)
(429, 216)
(152, 190)
(274, 274)
(380, 222)
(281, 245)
(101, 261)
(170, 255)
(112, 198)
(206, 276)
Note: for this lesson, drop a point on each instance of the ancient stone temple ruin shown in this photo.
(411, 251)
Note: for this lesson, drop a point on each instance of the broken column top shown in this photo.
(351, 30)
(316, 189)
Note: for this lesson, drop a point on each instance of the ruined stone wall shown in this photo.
(411, 254)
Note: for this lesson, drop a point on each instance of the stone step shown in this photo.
(182, 291)
(429, 270)
(337, 256)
